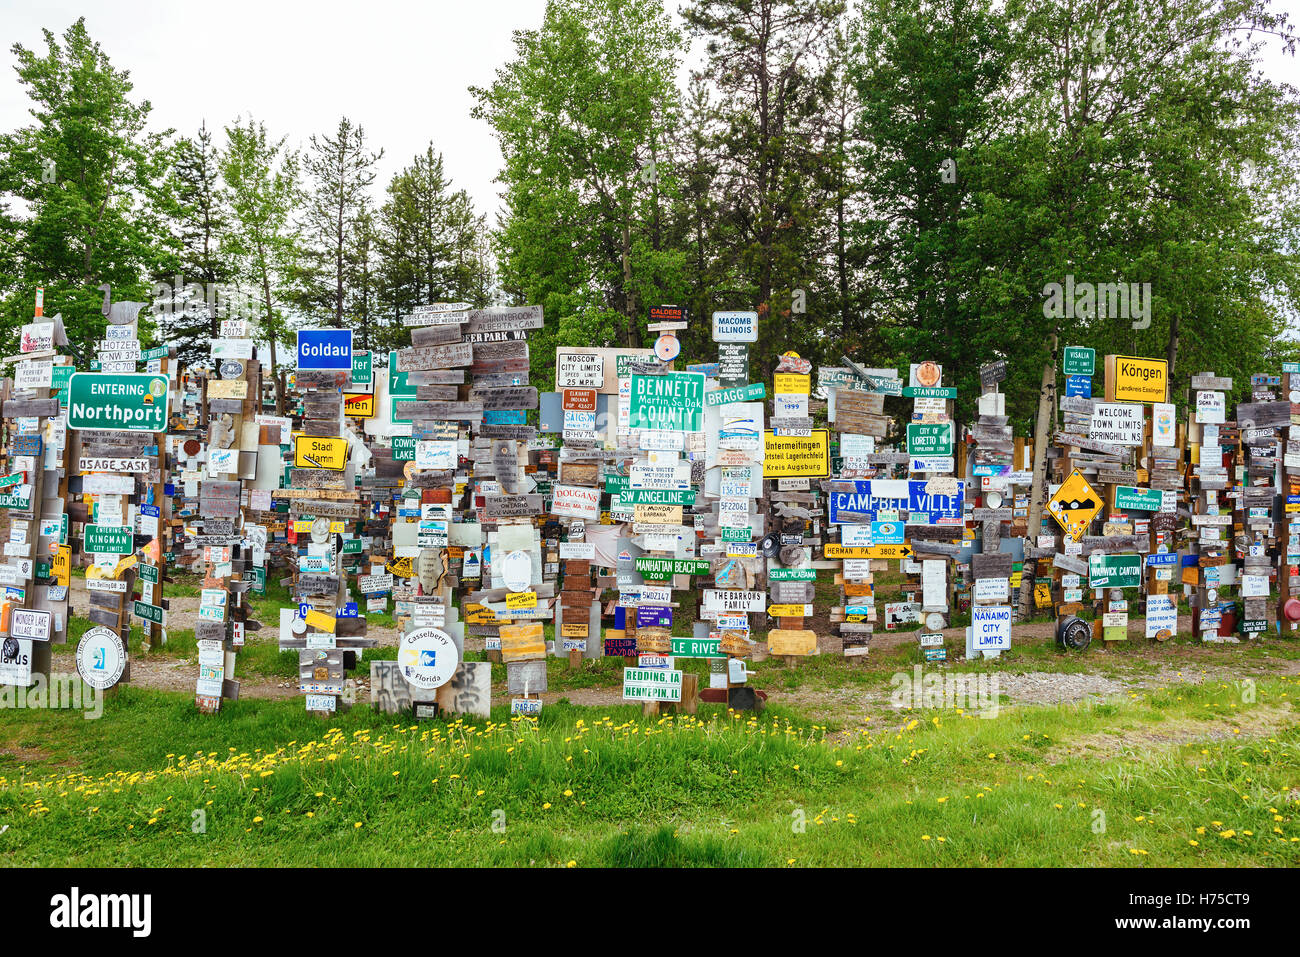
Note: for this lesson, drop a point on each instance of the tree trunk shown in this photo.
(629, 297)
(1171, 353)
(1038, 488)
(270, 338)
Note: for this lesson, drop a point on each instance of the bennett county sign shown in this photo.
(325, 349)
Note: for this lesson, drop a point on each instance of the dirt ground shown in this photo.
(846, 705)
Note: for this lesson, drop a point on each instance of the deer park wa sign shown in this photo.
(117, 402)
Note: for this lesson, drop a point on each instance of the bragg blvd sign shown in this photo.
(117, 402)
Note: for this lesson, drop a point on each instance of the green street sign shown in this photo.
(792, 574)
(929, 392)
(148, 573)
(1079, 360)
(1114, 571)
(118, 401)
(623, 363)
(362, 369)
(929, 438)
(398, 386)
(403, 448)
(59, 379)
(157, 352)
(259, 581)
(671, 402)
(18, 499)
(697, 648)
(616, 484)
(661, 569)
(656, 496)
(741, 393)
(108, 539)
(1138, 499)
(148, 612)
(351, 546)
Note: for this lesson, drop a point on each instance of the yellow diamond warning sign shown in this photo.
(1075, 505)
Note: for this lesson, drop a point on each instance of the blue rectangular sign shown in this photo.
(1079, 385)
(888, 533)
(651, 617)
(895, 495)
(325, 349)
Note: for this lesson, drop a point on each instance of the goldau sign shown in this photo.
(325, 349)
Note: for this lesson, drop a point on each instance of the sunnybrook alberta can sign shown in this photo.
(118, 402)
(325, 349)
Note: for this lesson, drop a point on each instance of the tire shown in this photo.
(1074, 633)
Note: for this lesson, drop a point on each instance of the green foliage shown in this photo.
(1178, 777)
(583, 115)
(262, 177)
(87, 171)
(431, 247)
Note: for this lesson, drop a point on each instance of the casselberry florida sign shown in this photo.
(325, 349)
(118, 402)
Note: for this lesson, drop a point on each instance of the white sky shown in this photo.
(401, 68)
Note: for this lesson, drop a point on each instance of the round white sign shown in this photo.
(427, 657)
(668, 348)
(101, 657)
(517, 570)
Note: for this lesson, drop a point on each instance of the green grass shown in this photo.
(1123, 783)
